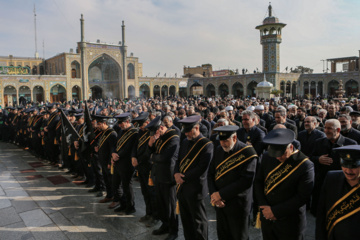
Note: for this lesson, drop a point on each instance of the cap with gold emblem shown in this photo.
(349, 156)
(225, 132)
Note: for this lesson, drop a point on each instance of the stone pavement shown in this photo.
(35, 206)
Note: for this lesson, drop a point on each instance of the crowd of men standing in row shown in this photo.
(268, 158)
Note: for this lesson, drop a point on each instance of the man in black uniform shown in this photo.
(191, 169)
(164, 144)
(51, 132)
(104, 150)
(230, 180)
(283, 185)
(338, 214)
(123, 169)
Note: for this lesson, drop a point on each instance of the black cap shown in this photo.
(278, 140)
(189, 122)
(226, 131)
(154, 125)
(10, 108)
(123, 117)
(20, 108)
(355, 113)
(141, 118)
(349, 156)
(51, 105)
(100, 118)
(79, 115)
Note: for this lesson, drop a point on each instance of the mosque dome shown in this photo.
(196, 75)
(271, 20)
(265, 84)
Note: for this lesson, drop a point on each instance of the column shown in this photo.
(291, 95)
(316, 88)
(151, 89)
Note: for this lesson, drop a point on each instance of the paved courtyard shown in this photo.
(38, 201)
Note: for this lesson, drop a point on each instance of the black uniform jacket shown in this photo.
(196, 174)
(307, 141)
(141, 149)
(237, 183)
(106, 143)
(255, 136)
(335, 187)
(287, 200)
(164, 156)
(51, 126)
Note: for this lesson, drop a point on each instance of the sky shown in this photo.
(167, 35)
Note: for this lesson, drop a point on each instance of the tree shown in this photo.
(276, 92)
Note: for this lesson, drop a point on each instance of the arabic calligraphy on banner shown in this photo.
(10, 70)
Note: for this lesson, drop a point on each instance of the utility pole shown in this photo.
(323, 65)
(36, 51)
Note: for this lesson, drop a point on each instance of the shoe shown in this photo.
(152, 222)
(130, 211)
(106, 200)
(80, 178)
(160, 231)
(89, 185)
(84, 183)
(113, 205)
(93, 190)
(145, 218)
(99, 194)
(120, 209)
(171, 237)
(75, 176)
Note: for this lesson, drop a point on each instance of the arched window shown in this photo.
(131, 71)
(75, 69)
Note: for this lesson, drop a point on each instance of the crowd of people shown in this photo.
(260, 162)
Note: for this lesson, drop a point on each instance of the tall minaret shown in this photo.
(123, 91)
(36, 50)
(82, 50)
(270, 37)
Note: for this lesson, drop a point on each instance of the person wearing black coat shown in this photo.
(230, 181)
(324, 158)
(338, 213)
(164, 145)
(283, 185)
(196, 152)
(347, 130)
(308, 136)
(51, 132)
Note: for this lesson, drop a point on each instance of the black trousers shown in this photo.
(107, 179)
(96, 168)
(281, 230)
(166, 205)
(143, 172)
(232, 221)
(193, 217)
(122, 178)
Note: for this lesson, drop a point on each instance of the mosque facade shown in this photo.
(102, 70)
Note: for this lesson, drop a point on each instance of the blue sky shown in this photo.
(168, 34)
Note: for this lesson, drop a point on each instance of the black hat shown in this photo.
(189, 122)
(100, 118)
(355, 113)
(141, 118)
(154, 125)
(226, 131)
(20, 108)
(10, 108)
(123, 117)
(79, 115)
(51, 105)
(278, 140)
(349, 156)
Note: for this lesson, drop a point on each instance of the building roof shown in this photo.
(343, 59)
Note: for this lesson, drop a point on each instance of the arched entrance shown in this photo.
(131, 92)
(294, 85)
(144, 91)
(164, 91)
(210, 90)
(75, 92)
(172, 90)
(196, 89)
(182, 92)
(332, 87)
(57, 93)
(105, 72)
(223, 90)
(238, 90)
(96, 92)
(320, 88)
(38, 94)
(282, 88)
(10, 95)
(306, 88)
(351, 87)
(251, 89)
(75, 69)
(156, 91)
(25, 92)
(313, 89)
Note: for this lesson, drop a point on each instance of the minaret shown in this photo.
(82, 49)
(123, 91)
(36, 50)
(270, 38)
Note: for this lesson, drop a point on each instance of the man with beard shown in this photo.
(164, 145)
(324, 158)
(308, 136)
(338, 213)
(332, 114)
(190, 174)
(300, 117)
(347, 130)
(283, 185)
(355, 118)
(230, 179)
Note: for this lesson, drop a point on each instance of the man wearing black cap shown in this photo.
(123, 169)
(140, 160)
(104, 150)
(230, 179)
(51, 132)
(283, 185)
(190, 174)
(338, 214)
(164, 145)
